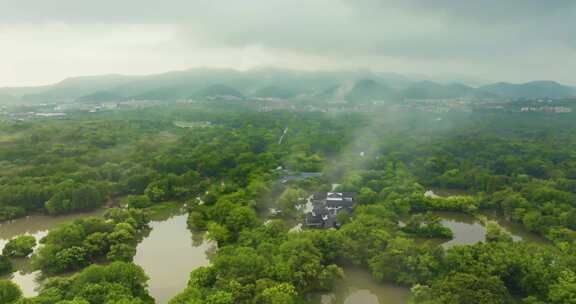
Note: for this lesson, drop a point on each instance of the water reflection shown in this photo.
(28, 280)
(358, 287)
(169, 254)
(466, 229)
(469, 230)
(38, 225)
(517, 230)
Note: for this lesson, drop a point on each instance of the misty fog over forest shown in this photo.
(288, 152)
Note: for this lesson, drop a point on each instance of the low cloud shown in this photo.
(502, 40)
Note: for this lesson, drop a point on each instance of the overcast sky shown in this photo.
(511, 40)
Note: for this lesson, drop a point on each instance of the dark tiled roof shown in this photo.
(325, 195)
(326, 206)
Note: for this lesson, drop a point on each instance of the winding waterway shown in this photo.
(38, 227)
(170, 252)
(358, 287)
(167, 255)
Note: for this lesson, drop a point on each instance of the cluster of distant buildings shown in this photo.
(26, 111)
(468, 105)
(557, 109)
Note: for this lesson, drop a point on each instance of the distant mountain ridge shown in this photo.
(214, 84)
(218, 91)
(534, 89)
(363, 90)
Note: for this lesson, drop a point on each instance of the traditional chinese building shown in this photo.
(326, 206)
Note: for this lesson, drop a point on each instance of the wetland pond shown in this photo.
(469, 230)
(167, 254)
(358, 287)
(38, 227)
(170, 252)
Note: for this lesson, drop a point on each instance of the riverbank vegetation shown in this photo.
(5, 265)
(427, 225)
(117, 282)
(231, 172)
(9, 292)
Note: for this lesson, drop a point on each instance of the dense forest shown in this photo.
(227, 165)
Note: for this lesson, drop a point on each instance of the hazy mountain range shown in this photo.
(351, 86)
